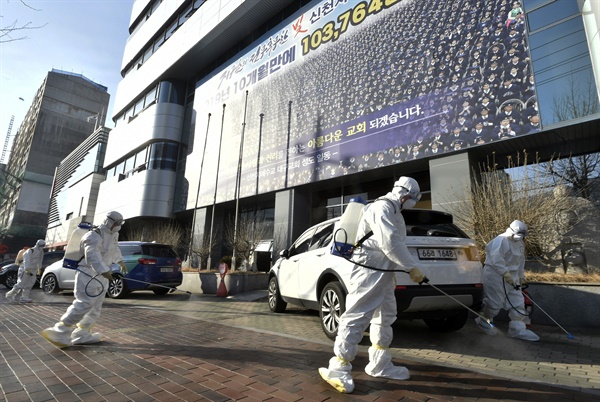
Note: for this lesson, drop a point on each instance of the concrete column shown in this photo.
(292, 217)
(450, 181)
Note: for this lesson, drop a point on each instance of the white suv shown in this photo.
(308, 275)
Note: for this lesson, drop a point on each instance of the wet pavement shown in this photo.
(208, 348)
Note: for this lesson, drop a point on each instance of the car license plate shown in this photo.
(436, 254)
(166, 269)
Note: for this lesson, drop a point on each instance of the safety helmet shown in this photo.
(40, 243)
(113, 221)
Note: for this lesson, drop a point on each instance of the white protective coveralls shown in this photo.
(100, 251)
(503, 272)
(371, 298)
(32, 262)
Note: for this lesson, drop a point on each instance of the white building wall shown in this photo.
(203, 21)
(161, 121)
(148, 193)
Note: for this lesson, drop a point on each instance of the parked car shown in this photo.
(157, 266)
(308, 275)
(9, 272)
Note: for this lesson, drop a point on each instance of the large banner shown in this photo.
(347, 86)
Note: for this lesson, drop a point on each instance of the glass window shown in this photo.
(171, 29)
(158, 42)
(140, 158)
(185, 14)
(198, 3)
(163, 156)
(301, 245)
(138, 107)
(151, 96)
(561, 62)
(129, 113)
(322, 236)
(551, 13)
(129, 164)
(147, 54)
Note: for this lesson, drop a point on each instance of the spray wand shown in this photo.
(343, 254)
(569, 336)
(172, 289)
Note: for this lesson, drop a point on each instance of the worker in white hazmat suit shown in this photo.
(503, 275)
(32, 263)
(371, 297)
(100, 251)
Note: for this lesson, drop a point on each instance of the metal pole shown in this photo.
(212, 219)
(262, 115)
(198, 190)
(238, 180)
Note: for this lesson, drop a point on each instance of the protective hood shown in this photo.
(40, 243)
(406, 186)
(517, 230)
(113, 221)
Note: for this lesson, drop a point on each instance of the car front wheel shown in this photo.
(448, 324)
(50, 284)
(276, 303)
(117, 288)
(332, 305)
(11, 280)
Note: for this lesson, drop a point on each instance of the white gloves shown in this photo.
(123, 267)
(508, 278)
(416, 275)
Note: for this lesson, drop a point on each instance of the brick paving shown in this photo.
(204, 348)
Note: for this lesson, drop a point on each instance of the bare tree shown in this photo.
(169, 232)
(579, 99)
(252, 228)
(16, 31)
(202, 247)
(495, 199)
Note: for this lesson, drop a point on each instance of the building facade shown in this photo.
(75, 188)
(290, 108)
(57, 122)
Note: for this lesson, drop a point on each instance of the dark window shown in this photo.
(158, 251)
(163, 156)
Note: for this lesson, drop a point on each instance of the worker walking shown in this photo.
(503, 276)
(32, 263)
(371, 300)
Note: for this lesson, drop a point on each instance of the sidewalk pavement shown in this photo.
(203, 348)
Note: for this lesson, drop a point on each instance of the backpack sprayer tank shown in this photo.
(345, 233)
(73, 253)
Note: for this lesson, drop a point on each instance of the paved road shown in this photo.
(181, 347)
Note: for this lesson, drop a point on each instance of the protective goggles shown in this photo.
(415, 195)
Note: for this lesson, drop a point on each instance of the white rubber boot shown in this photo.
(380, 365)
(83, 335)
(518, 330)
(59, 335)
(10, 295)
(338, 375)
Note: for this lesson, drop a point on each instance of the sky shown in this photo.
(84, 37)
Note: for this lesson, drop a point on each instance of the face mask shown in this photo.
(517, 237)
(410, 203)
(115, 229)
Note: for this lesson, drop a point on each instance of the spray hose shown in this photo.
(94, 278)
(359, 244)
(425, 279)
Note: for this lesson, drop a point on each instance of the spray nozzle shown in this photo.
(424, 280)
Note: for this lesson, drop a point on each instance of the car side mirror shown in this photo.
(284, 253)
